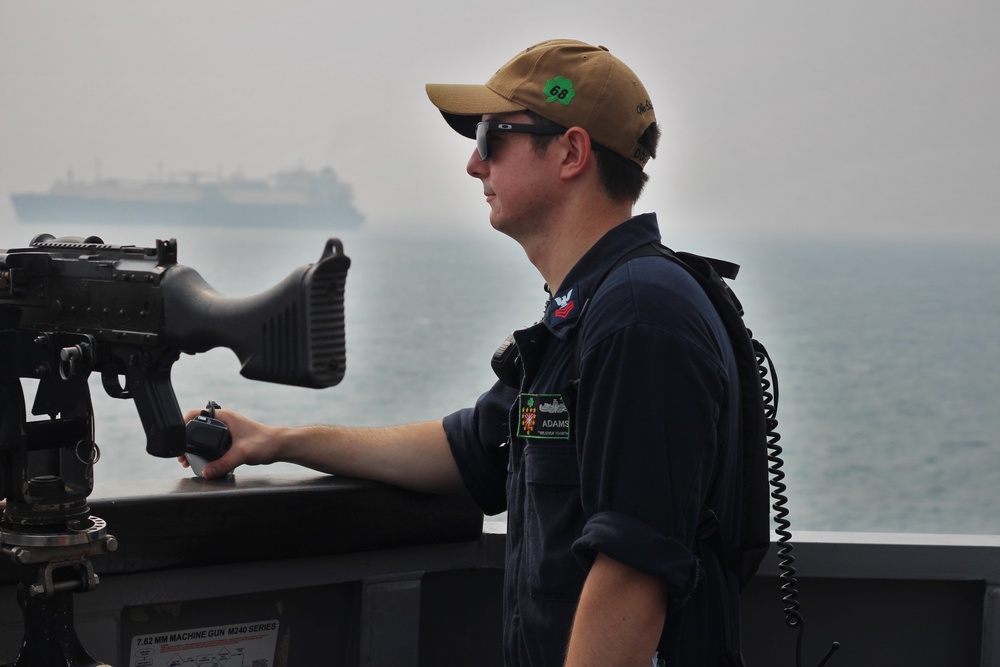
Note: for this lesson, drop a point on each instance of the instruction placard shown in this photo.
(238, 645)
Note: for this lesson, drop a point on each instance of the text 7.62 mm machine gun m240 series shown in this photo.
(73, 306)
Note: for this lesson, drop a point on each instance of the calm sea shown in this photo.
(888, 355)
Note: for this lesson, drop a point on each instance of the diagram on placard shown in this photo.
(223, 658)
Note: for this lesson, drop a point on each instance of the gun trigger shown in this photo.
(112, 384)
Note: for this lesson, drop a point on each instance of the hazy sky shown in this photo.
(853, 116)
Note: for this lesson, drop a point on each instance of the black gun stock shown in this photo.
(290, 334)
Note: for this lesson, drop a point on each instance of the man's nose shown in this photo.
(476, 167)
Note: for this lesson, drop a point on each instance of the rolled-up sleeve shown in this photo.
(631, 541)
(478, 438)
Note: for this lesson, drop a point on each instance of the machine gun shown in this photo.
(73, 306)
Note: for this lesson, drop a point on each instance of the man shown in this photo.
(615, 421)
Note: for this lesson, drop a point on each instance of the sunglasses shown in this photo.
(483, 133)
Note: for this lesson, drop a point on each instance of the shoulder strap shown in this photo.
(721, 267)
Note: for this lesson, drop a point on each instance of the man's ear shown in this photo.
(578, 152)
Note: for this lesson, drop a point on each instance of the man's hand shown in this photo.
(619, 619)
(253, 443)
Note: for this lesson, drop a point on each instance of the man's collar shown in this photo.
(565, 308)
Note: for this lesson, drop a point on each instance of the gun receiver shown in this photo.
(70, 306)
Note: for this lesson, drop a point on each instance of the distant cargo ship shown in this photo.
(288, 198)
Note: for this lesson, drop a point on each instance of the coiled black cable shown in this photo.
(793, 618)
(786, 561)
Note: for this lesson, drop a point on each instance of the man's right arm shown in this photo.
(413, 456)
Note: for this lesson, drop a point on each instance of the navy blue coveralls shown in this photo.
(623, 463)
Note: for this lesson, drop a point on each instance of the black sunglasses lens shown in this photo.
(483, 140)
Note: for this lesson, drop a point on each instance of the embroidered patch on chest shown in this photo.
(542, 416)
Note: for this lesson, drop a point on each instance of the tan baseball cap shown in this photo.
(568, 82)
